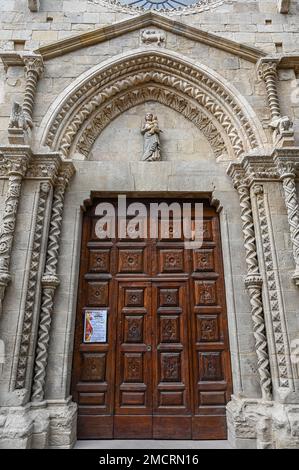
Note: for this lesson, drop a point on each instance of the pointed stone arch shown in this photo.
(78, 116)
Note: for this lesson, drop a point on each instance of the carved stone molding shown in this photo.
(281, 353)
(288, 174)
(164, 71)
(31, 287)
(187, 108)
(253, 280)
(50, 282)
(15, 162)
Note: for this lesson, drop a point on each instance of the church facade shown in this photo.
(159, 103)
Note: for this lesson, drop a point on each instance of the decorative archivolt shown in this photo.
(132, 98)
(159, 69)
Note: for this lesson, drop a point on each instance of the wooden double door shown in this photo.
(163, 371)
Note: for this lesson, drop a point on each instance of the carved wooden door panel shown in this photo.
(164, 370)
(133, 386)
(170, 363)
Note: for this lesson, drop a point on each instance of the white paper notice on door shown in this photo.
(95, 326)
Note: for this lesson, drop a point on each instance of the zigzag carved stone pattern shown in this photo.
(165, 72)
(133, 98)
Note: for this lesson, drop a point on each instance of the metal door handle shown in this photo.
(148, 347)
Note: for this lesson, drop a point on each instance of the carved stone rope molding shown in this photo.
(281, 355)
(31, 287)
(167, 72)
(253, 281)
(50, 282)
(187, 108)
(268, 72)
(288, 174)
(16, 163)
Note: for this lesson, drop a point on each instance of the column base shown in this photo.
(255, 423)
(42, 425)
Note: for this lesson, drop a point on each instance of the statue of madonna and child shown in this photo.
(151, 143)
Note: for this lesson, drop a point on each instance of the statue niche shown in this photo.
(151, 141)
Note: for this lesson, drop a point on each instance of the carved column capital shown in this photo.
(33, 64)
(286, 169)
(267, 69)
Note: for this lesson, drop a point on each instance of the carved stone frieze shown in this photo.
(164, 72)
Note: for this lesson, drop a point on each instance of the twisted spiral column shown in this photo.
(288, 175)
(268, 72)
(50, 282)
(253, 283)
(33, 70)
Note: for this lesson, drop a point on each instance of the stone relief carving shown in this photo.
(50, 282)
(175, 101)
(172, 75)
(17, 117)
(151, 140)
(253, 281)
(276, 306)
(153, 37)
(31, 287)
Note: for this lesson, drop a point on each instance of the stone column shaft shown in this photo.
(253, 283)
(50, 282)
(33, 70)
(268, 72)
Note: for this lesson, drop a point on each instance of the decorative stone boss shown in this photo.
(151, 144)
